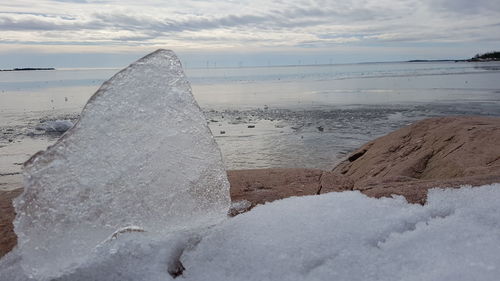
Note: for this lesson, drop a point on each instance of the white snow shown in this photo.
(335, 236)
(140, 155)
(59, 126)
(348, 236)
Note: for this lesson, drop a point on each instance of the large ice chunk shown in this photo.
(141, 154)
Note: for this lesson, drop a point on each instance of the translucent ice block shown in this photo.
(141, 154)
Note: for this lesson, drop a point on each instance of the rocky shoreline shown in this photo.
(444, 152)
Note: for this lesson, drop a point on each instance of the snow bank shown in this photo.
(335, 236)
(136, 256)
(348, 236)
(140, 155)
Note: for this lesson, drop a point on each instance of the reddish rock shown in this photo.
(8, 238)
(447, 152)
(416, 191)
(265, 185)
(333, 182)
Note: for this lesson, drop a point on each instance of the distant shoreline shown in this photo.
(467, 60)
(29, 69)
(437, 61)
(475, 59)
(486, 57)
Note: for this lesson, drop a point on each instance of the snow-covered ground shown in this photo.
(335, 236)
(348, 236)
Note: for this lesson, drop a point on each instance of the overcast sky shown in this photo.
(100, 33)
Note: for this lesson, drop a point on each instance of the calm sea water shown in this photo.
(304, 116)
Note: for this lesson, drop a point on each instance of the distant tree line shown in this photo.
(490, 56)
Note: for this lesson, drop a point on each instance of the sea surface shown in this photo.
(283, 116)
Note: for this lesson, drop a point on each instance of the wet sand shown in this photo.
(8, 238)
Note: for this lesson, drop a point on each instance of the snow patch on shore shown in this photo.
(348, 236)
(334, 236)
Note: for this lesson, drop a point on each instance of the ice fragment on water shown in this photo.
(141, 154)
(58, 126)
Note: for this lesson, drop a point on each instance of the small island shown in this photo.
(29, 69)
(490, 56)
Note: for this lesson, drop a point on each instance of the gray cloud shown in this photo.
(72, 1)
(204, 23)
(273, 19)
(31, 23)
(466, 7)
(320, 23)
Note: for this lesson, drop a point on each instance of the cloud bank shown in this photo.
(245, 25)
